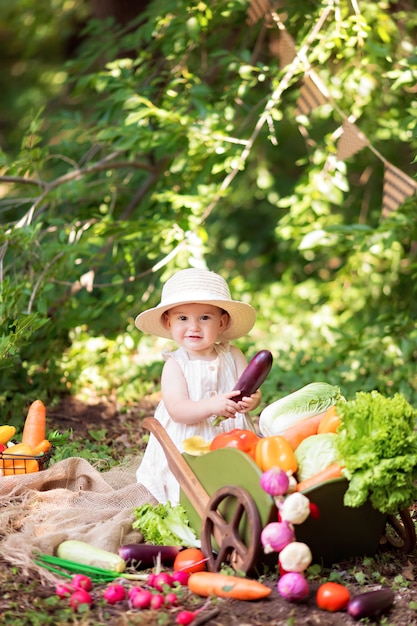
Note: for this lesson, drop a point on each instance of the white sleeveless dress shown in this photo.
(204, 379)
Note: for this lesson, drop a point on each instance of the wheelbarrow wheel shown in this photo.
(227, 534)
(400, 531)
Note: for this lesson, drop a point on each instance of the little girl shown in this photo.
(198, 313)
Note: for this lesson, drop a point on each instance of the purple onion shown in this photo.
(275, 481)
(293, 586)
(276, 535)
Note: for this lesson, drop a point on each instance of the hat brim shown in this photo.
(242, 317)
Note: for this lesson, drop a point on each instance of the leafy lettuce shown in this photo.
(165, 525)
(377, 443)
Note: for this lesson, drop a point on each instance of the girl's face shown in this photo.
(196, 327)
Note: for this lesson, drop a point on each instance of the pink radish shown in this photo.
(114, 593)
(63, 591)
(79, 597)
(80, 581)
(141, 599)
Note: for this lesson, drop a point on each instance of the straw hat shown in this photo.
(196, 285)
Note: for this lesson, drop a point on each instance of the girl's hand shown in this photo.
(248, 403)
(224, 405)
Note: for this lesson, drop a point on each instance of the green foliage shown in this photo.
(175, 141)
(95, 449)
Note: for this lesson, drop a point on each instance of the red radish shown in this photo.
(314, 511)
(186, 617)
(141, 599)
(180, 577)
(171, 599)
(114, 593)
(80, 581)
(157, 601)
(63, 591)
(161, 580)
(133, 591)
(79, 597)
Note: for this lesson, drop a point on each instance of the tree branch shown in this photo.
(105, 164)
(21, 180)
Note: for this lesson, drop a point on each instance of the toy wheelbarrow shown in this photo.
(227, 509)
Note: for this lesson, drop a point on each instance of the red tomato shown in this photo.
(190, 560)
(332, 597)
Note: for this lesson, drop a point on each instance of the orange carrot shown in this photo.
(332, 471)
(43, 446)
(34, 430)
(330, 422)
(305, 428)
(224, 586)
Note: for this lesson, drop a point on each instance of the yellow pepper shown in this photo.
(275, 451)
(6, 433)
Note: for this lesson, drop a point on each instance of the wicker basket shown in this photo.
(12, 464)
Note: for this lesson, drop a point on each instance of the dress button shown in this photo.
(212, 368)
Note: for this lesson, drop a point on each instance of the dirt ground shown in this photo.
(395, 569)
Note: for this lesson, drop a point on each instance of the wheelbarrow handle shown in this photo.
(188, 481)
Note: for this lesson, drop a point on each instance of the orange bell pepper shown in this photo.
(239, 438)
(275, 451)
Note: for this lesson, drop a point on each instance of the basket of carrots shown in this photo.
(34, 451)
(17, 463)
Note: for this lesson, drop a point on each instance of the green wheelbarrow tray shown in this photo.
(227, 508)
(339, 533)
(235, 513)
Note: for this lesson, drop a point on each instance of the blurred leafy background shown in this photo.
(133, 143)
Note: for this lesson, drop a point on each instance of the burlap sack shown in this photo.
(69, 500)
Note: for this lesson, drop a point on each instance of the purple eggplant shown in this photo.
(254, 374)
(371, 603)
(144, 555)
